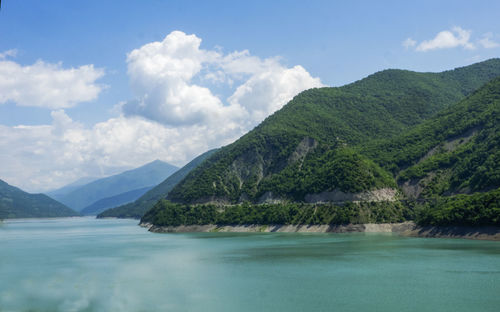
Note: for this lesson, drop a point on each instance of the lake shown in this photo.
(84, 264)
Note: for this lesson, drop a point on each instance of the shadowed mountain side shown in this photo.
(15, 203)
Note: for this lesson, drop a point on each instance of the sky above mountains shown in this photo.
(91, 88)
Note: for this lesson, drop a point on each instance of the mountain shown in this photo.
(451, 162)
(15, 203)
(70, 187)
(145, 176)
(394, 146)
(114, 201)
(455, 152)
(139, 207)
(311, 146)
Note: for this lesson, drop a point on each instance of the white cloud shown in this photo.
(8, 53)
(47, 85)
(267, 91)
(173, 118)
(448, 39)
(38, 158)
(408, 43)
(162, 75)
(487, 41)
(456, 37)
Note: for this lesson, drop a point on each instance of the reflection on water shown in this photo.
(83, 264)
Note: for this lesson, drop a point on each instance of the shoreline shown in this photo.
(408, 228)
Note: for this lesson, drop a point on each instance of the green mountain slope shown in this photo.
(114, 201)
(15, 203)
(457, 151)
(312, 145)
(144, 176)
(139, 207)
(447, 171)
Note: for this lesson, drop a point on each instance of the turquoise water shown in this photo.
(83, 264)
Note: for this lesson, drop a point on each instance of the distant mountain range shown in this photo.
(15, 203)
(139, 207)
(114, 201)
(426, 144)
(120, 187)
(70, 187)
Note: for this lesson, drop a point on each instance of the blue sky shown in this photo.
(244, 61)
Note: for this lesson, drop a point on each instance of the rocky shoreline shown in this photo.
(404, 228)
(466, 232)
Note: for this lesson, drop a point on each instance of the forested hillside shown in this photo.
(457, 151)
(397, 145)
(315, 143)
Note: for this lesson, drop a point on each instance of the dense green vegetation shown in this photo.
(432, 136)
(166, 213)
(457, 151)
(15, 203)
(144, 176)
(340, 168)
(478, 209)
(379, 107)
(139, 207)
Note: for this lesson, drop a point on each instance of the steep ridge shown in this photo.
(15, 203)
(312, 145)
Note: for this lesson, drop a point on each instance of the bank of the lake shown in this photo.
(404, 228)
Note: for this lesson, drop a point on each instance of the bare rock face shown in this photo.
(337, 196)
(412, 188)
(269, 198)
(452, 143)
(402, 228)
(305, 146)
(246, 166)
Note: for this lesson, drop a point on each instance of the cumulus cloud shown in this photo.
(163, 76)
(174, 117)
(47, 85)
(487, 41)
(446, 39)
(38, 158)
